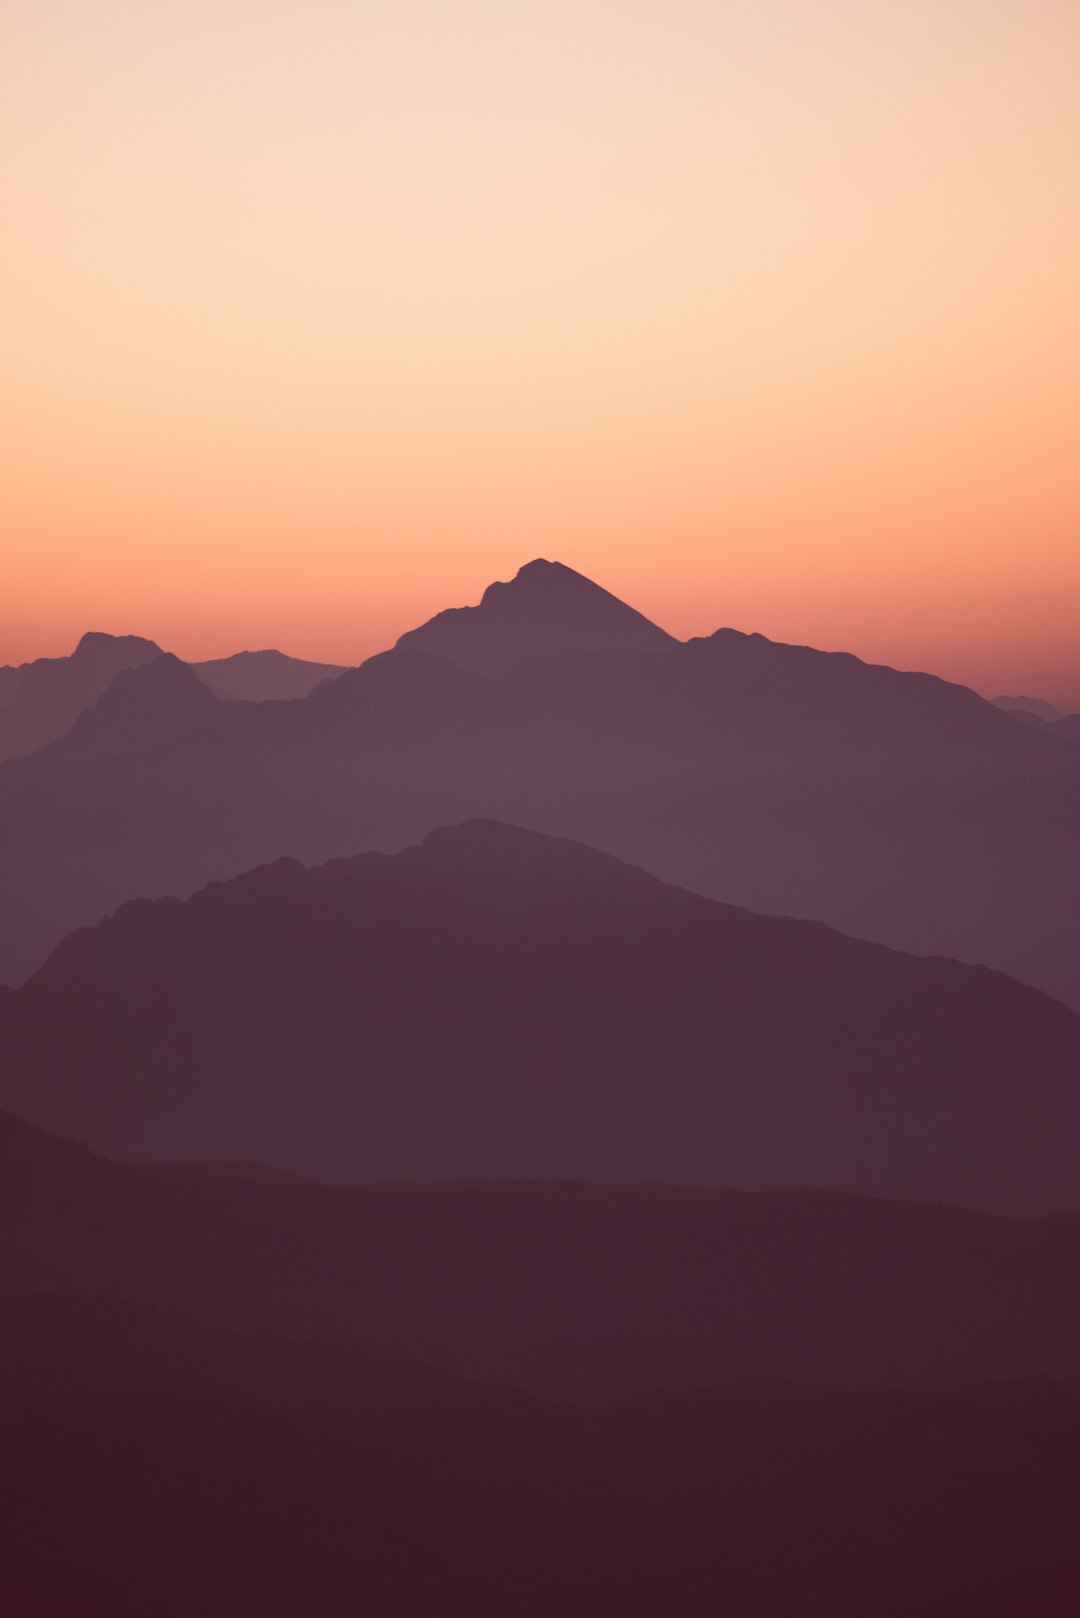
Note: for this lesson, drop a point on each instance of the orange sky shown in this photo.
(317, 317)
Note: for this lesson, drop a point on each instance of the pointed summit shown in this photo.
(547, 610)
(144, 705)
(163, 689)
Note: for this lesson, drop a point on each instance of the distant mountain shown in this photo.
(267, 676)
(546, 610)
(893, 806)
(1042, 715)
(162, 695)
(496, 1003)
(570, 1291)
(1029, 705)
(39, 701)
(145, 707)
(150, 1466)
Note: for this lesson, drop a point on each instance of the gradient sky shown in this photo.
(318, 317)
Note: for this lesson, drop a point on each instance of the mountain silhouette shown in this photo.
(1042, 715)
(210, 1398)
(266, 676)
(39, 701)
(144, 707)
(894, 806)
(545, 611)
(153, 1466)
(1029, 705)
(569, 1291)
(496, 1003)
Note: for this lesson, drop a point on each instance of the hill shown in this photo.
(39, 701)
(495, 1003)
(570, 1291)
(224, 1474)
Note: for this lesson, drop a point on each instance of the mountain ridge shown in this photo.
(565, 1290)
(497, 1002)
(892, 806)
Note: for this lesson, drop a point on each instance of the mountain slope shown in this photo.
(893, 806)
(144, 708)
(41, 700)
(257, 1476)
(546, 610)
(496, 1003)
(570, 1291)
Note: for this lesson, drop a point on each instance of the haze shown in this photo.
(318, 318)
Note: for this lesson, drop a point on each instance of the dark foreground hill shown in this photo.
(582, 1292)
(894, 806)
(498, 1004)
(147, 1466)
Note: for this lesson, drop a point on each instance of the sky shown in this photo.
(318, 317)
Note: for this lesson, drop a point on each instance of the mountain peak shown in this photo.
(163, 685)
(546, 610)
(146, 703)
(545, 574)
(96, 643)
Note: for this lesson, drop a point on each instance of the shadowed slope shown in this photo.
(42, 699)
(245, 1475)
(147, 707)
(496, 1003)
(574, 1291)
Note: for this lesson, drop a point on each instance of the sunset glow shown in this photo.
(319, 318)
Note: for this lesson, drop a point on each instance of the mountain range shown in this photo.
(695, 1254)
(1034, 711)
(212, 1371)
(40, 701)
(562, 1290)
(150, 1465)
(500, 1003)
(893, 806)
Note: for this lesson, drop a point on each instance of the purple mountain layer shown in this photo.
(894, 806)
(566, 1290)
(498, 1003)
